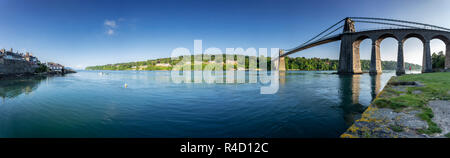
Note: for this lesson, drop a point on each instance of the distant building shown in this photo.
(55, 67)
(10, 55)
(231, 62)
(17, 63)
(163, 64)
(143, 67)
(214, 62)
(30, 58)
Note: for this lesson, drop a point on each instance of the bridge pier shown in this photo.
(349, 62)
(447, 56)
(400, 60)
(426, 61)
(375, 59)
(281, 61)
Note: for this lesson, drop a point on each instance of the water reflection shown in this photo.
(282, 77)
(375, 83)
(15, 87)
(349, 94)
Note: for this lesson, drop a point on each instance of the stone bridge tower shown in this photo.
(349, 25)
(349, 61)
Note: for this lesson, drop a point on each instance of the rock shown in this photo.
(401, 83)
(418, 84)
(372, 130)
(384, 114)
(414, 112)
(441, 111)
(400, 88)
(410, 121)
(411, 134)
(406, 83)
(417, 92)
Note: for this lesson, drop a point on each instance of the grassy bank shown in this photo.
(408, 96)
(426, 87)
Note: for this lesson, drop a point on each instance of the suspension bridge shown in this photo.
(349, 58)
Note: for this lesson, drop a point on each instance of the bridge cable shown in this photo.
(401, 21)
(331, 32)
(323, 31)
(373, 22)
(317, 35)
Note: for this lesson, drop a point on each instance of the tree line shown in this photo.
(292, 63)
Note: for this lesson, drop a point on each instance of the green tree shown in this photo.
(438, 60)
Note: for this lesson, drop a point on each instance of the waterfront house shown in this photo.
(232, 62)
(15, 63)
(163, 64)
(2, 53)
(11, 55)
(32, 59)
(55, 67)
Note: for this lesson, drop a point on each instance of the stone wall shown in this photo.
(10, 67)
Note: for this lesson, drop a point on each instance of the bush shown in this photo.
(41, 68)
(438, 60)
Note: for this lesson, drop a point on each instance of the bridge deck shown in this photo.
(313, 44)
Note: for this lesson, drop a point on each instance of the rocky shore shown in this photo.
(410, 106)
(26, 75)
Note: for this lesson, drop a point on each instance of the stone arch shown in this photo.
(356, 53)
(375, 60)
(442, 38)
(360, 38)
(416, 35)
(380, 38)
(426, 54)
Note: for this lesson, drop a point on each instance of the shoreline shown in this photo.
(28, 75)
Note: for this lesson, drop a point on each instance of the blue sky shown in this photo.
(80, 33)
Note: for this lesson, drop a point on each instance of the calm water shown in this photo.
(86, 104)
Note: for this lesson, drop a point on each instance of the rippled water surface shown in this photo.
(88, 104)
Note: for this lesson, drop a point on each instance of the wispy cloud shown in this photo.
(110, 23)
(110, 32)
(111, 26)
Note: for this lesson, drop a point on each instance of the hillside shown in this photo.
(298, 63)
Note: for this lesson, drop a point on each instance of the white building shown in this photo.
(163, 64)
(231, 62)
(55, 66)
(11, 55)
